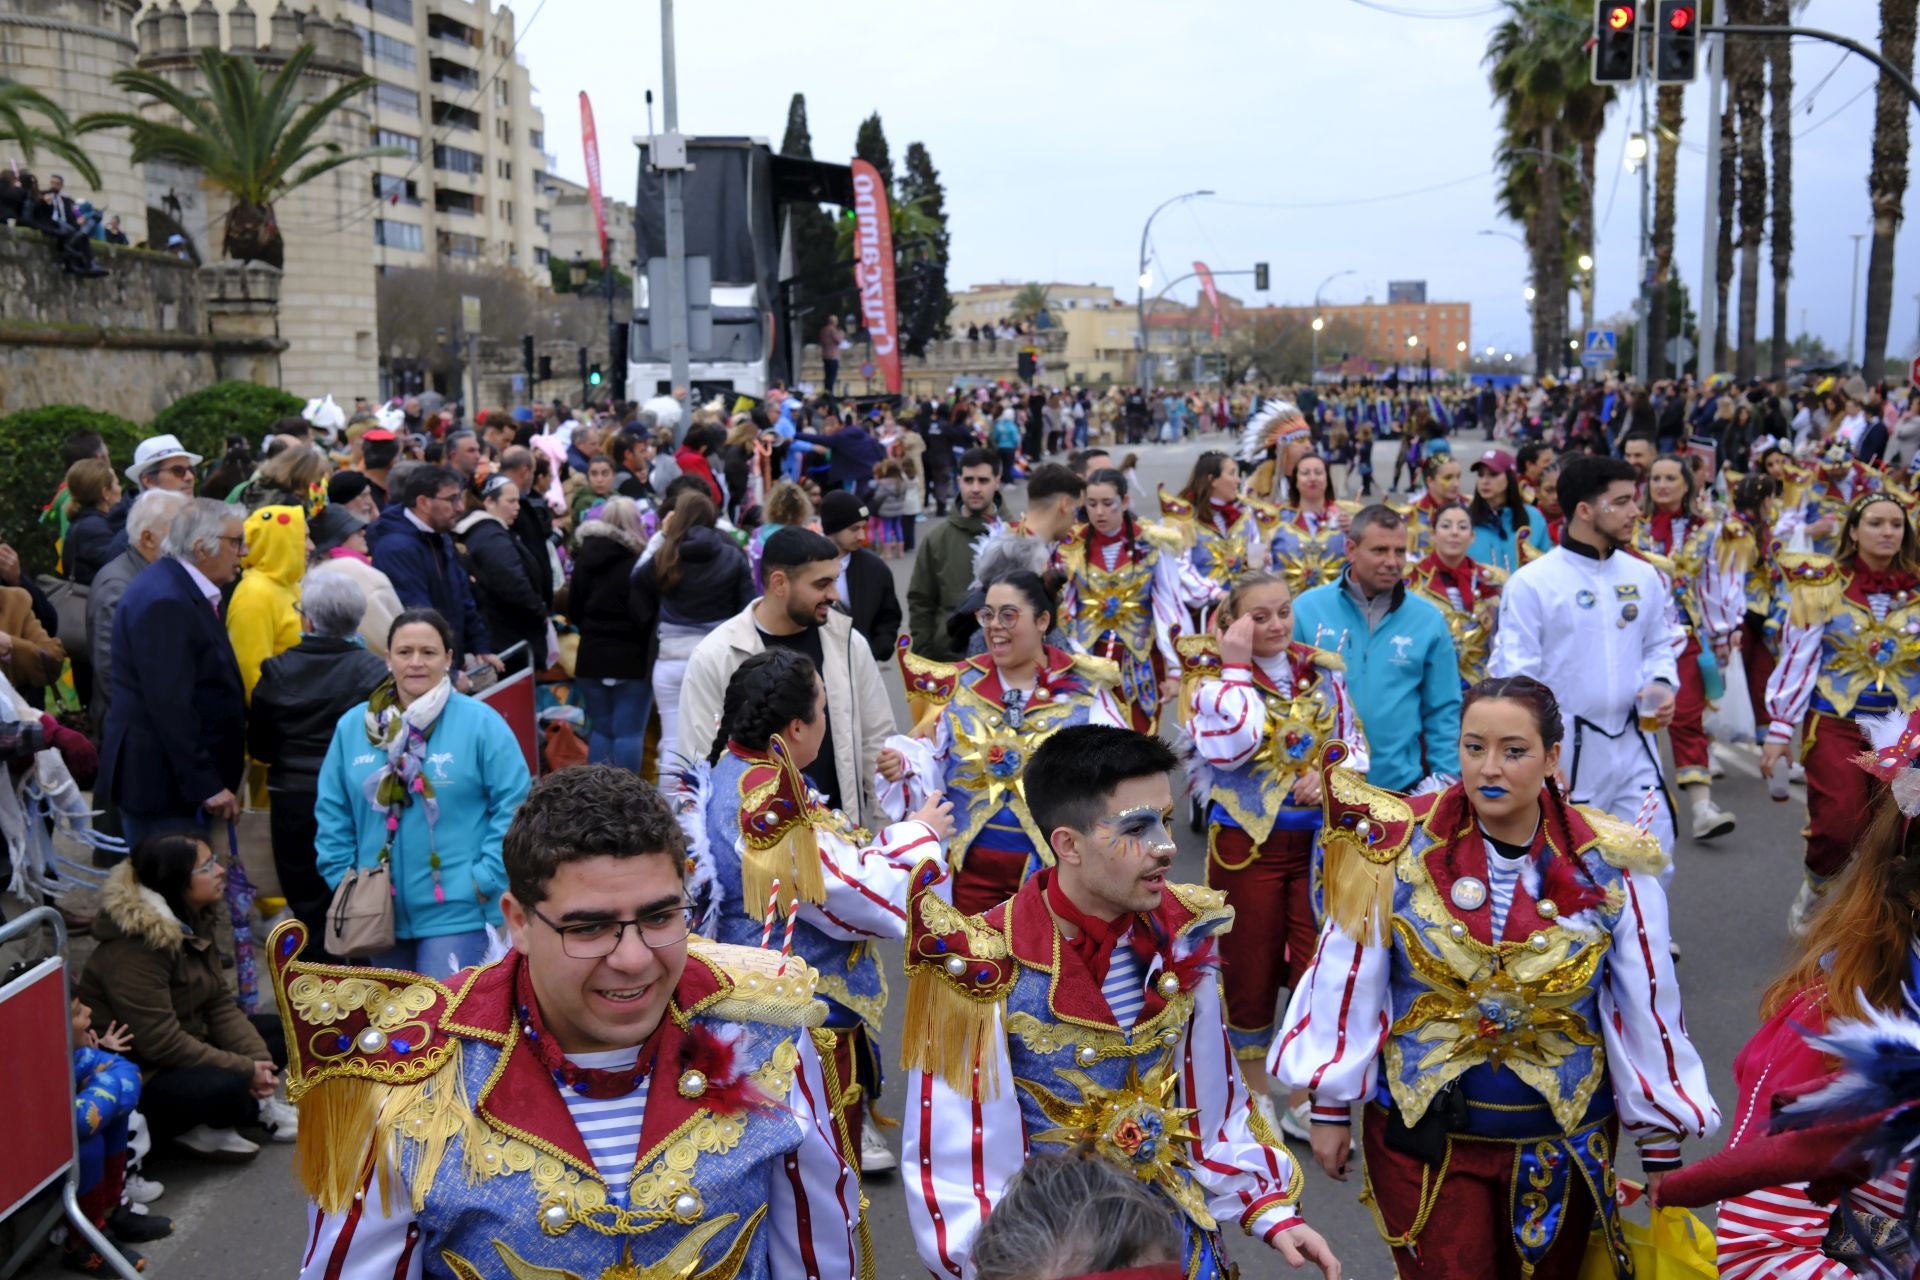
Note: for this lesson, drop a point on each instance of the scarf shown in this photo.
(590, 1082)
(348, 553)
(1460, 576)
(1096, 939)
(402, 735)
(1661, 524)
(1098, 542)
(1225, 515)
(1879, 582)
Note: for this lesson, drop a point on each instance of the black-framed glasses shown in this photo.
(594, 939)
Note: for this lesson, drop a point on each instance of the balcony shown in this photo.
(460, 204)
(454, 76)
(453, 32)
(446, 113)
(454, 245)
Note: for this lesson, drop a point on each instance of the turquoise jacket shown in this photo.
(479, 778)
(1499, 547)
(1401, 675)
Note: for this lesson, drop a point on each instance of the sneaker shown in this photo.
(1295, 1122)
(875, 1156)
(129, 1227)
(1710, 820)
(143, 1190)
(280, 1119)
(1801, 912)
(1796, 772)
(221, 1145)
(89, 1261)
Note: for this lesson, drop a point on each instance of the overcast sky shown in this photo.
(1057, 126)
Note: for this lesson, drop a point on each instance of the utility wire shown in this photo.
(1482, 11)
(1343, 204)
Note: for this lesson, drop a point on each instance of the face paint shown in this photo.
(1141, 830)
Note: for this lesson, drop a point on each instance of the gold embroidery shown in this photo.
(942, 919)
(1043, 1037)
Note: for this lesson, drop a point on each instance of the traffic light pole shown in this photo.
(1707, 350)
(1874, 56)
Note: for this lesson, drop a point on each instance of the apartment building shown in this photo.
(573, 233)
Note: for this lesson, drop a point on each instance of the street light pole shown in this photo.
(1318, 323)
(1853, 302)
(1146, 357)
(673, 167)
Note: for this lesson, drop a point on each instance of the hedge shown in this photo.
(30, 460)
(204, 419)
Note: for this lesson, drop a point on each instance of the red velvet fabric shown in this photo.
(1838, 790)
(1272, 902)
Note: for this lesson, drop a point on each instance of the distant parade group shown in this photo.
(1421, 740)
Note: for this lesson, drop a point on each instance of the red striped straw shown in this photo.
(786, 945)
(773, 904)
(1644, 822)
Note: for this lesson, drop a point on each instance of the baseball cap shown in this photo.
(840, 510)
(1498, 461)
(156, 449)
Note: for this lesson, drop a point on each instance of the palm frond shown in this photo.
(18, 102)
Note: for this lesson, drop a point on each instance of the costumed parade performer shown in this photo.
(1745, 550)
(614, 1097)
(1850, 647)
(978, 724)
(1681, 538)
(1816, 499)
(1222, 533)
(1466, 591)
(1085, 1012)
(1259, 707)
(1127, 591)
(1440, 476)
(1593, 624)
(1271, 442)
(1493, 987)
(763, 845)
(1309, 533)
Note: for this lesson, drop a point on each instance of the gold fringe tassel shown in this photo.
(340, 1118)
(793, 860)
(947, 1034)
(337, 1119)
(1359, 892)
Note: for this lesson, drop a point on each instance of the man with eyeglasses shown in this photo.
(1597, 627)
(412, 543)
(613, 1097)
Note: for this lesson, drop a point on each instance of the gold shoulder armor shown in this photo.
(1624, 845)
(756, 989)
(1164, 536)
(1100, 671)
(1814, 587)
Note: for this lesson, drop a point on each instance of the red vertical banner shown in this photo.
(1213, 294)
(873, 270)
(590, 143)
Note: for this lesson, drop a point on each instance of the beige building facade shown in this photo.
(991, 303)
(574, 233)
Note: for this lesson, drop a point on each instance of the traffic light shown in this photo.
(526, 353)
(593, 374)
(1029, 364)
(546, 369)
(1260, 276)
(1676, 41)
(1616, 41)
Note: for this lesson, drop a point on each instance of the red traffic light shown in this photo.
(1620, 17)
(1680, 17)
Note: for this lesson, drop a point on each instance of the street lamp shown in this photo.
(1586, 261)
(1636, 151)
(1146, 278)
(1527, 293)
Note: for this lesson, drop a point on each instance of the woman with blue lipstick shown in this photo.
(1493, 986)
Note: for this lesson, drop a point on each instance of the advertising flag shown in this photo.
(873, 270)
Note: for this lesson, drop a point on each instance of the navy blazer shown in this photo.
(426, 574)
(177, 723)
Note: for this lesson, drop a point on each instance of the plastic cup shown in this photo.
(1777, 781)
(1646, 705)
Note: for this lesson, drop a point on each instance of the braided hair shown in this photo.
(1537, 698)
(769, 691)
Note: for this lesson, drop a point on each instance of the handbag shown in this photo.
(69, 600)
(1427, 1140)
(360, 917)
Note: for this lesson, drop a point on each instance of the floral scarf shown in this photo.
(403, 735)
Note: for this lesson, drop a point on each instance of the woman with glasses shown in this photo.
(764, 846)
(978, 722)
(424, 781)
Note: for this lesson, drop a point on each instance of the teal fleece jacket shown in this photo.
(1404, 679)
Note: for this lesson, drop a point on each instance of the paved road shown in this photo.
(1729, 908)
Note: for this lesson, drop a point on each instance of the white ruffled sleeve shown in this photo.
(1335, 1026)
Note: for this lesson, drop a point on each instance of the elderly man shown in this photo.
(412, 544)
(148, 521)
(175, 743)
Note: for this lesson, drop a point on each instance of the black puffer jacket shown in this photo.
(89, 545)
(300, 698)
(616, 626)
(504, 573)
(715, 582)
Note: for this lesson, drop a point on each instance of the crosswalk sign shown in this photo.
(1600, 347)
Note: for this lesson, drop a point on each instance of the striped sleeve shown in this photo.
(1228, 720)
(814, 1208)
(1336, 1023)
(867, 888)
(957, 1153)
(377, 1238)
(1790, 687)
(1774, 1234)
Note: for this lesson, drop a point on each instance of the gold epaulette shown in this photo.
(1495, 575)
(1736, 548)
(1814, 587)
(1209, 908)
(1104, 672)
(959, 969)
(1366, 830)
(1624, 845)
(1174, 507)
(757, 989)
(1199, 660)
(929, 683)
(1265, 514)
(1163, 536)
(1350, 506)
(1327, 659)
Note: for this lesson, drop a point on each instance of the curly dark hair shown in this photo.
(769, 691)
(588, 811)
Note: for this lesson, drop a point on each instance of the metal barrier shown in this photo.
(42, 1144)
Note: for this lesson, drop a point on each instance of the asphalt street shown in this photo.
(1729, 906)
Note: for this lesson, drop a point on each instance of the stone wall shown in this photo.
(134, 340)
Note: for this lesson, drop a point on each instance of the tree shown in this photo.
(932, 301)
(870, 144)
(1747, 69)
(1887, 182)
(1029, 302)
(254, 140)
(1780, 121)
(416, 312)
(1671, 102)
(1678, 320)
(53, 133)
(1727, 189)
(822, 282)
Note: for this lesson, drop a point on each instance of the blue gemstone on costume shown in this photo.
(983, 975)
(343, 1043)
(288, 944)
(939, 946)
(581, 1087)
(400, 1046)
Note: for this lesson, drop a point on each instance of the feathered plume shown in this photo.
(1896, 744)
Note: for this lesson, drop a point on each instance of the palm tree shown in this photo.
(1747, 69)
(1726, 189)
(1670, 103)
(1887, 182)
(1030, 301)
(254, 140)
(18, 104)
(1780, 121)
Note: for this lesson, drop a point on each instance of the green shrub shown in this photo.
(204, 419)
(30, 460)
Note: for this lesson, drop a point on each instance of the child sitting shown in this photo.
(106, 1087)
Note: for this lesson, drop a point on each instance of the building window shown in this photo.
(506, 211)
(457, 160)
(539, 256)
(403, 142)
(504, 170)
(537, 139)
(388, 49)
(394, 189)
(502, 94)
(400, 10)
(397, 235)
(391, 97)
(459, 246)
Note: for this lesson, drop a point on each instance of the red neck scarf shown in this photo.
(1869, 582)
(1661, 524)
(1096, 939)
(1225, 514)
(1098, 542)
(1459, 576)
(592, 1082)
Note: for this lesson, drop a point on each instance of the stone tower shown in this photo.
(327, 310)
(69, 50)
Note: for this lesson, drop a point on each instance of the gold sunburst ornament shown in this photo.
(1873, 652)
(1136, 1126)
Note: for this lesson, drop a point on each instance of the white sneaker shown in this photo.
(1796, 772)
(1295, 1122)
(875, 1155)
(1710, 820)
(1801, 912)
(280, 1119)
(141, 1190)
(218, 1144)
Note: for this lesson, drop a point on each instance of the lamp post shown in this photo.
(1146, 354)
(1320, 323)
